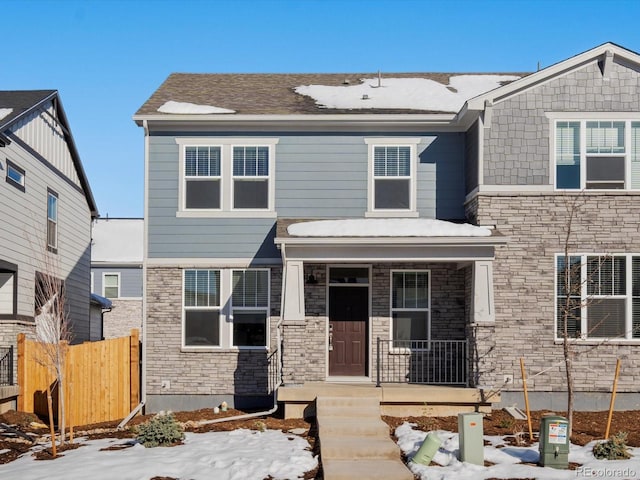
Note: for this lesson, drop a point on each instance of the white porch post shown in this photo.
(294, 292)
(482, 308)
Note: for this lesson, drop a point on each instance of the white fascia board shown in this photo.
(534, 79)
(392, 241)
(437, 119)
(212, 262)
(123, 264)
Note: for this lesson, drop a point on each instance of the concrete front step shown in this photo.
(354, 402)
(351, 426)
(366, 469)
(365, 411)
(356, 447)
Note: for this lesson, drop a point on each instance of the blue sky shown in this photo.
(107, 57)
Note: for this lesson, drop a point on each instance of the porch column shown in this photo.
(482, 308)
(293, 323)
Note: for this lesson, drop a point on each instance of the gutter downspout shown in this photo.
(143, 366)
(278, 357)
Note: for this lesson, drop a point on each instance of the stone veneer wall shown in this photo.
(125, 315)
(221, 373)
(524, 273)
(308, 361)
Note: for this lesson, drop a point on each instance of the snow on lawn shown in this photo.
(508, 460)
(386, 227)
(191, 108)
(237, 455)
(409, 93)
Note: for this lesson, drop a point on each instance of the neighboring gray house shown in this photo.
(46, 209)
(116, 272)
(333, 220)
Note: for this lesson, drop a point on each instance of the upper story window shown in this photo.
(392, 176)
(202, 177)
(599, 296)
(229, 177)
(111, 285)
(52, 221)
(15, 175)
(597, 154)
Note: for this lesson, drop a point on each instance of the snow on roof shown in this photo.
(5, 112)
(191, 108)
(117, 240)
(386, 227)
(409, 93)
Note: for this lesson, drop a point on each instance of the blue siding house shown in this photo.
(373, 228)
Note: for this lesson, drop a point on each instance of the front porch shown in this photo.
(396, 400)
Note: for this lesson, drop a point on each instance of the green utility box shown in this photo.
(470, 432)
(554, 441)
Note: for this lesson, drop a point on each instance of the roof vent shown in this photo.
(346, 82)
(365, 97)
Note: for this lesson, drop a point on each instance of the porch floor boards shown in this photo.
(396, 400)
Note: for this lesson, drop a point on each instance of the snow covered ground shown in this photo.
(509, 460)
(238, 455)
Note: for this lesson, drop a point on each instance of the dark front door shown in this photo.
(348, 318)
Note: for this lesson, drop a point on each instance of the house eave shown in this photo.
(393, 241)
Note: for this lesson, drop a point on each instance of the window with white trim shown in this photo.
(392, 176)
(52, 221)
(8, 289)
(600, 295)
(111, 285)
(226, 177)
(15, 175)
(597, 154)
(202, 181)
(410, 306)
(201, 297)
(250, 307)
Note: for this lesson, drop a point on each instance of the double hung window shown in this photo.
(598, 296)
(201, 308)
(52, 221)
(597, 154)
(226, 176)
(250, 304)
(111, 285)
(410, 306)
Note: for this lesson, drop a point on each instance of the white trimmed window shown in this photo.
(111, 285)
(201, 297)
(8, 289)
(597, 154)
(250, 307)
(52, 221)
(601, 295)
(202, 185)
(227, 177)
(410, 306)
(392, 176)
(15, 175)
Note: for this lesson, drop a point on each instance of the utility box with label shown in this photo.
(554, 441)
(470, 432)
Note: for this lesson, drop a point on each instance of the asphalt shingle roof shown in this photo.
(267, 94)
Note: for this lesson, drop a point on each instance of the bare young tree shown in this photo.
(53, 335)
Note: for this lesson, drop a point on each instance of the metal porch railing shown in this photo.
(6, 365)
(430, 362)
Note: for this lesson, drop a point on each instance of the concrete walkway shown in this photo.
(355, 442)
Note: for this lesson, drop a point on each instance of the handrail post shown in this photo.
(378, 363)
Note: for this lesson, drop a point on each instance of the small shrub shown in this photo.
(613, 449)
(508, 423)
(260, 425)
(161, 431)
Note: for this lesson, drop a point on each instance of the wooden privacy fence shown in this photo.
(102, 379)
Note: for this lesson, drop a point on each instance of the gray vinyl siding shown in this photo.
(317, 176)
(516, 146)
(23, 217)
(130, 280)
